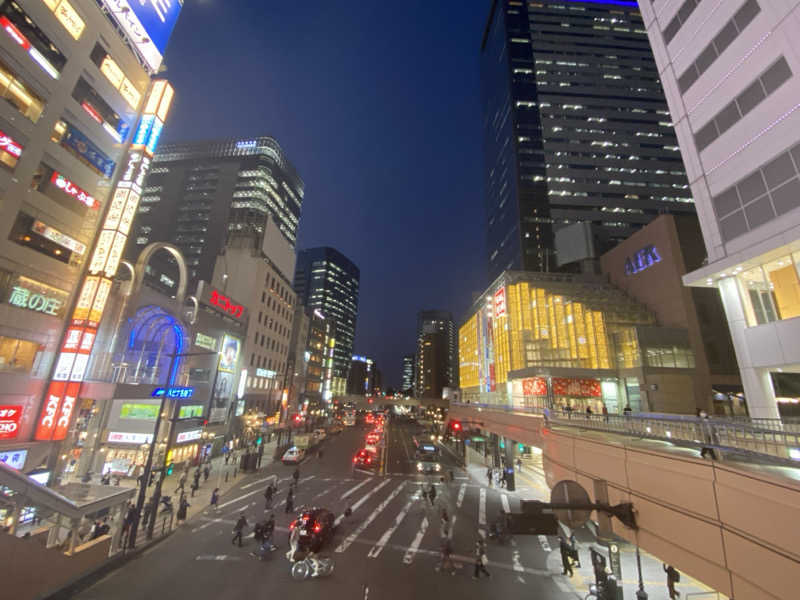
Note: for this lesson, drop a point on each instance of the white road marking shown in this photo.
(482, 513)
(216, 557)
(351, 490)
(239, 499)
(544, 543)
(504, 501)
(459, 501)
(204, 525)
(360, 502)
(412, 549)
(360, 529)
(257, 481)
(379, 545)
(562, 584)
(517, 564)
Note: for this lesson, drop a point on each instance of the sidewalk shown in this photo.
(531, 485)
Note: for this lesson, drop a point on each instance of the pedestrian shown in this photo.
(238, 529)
(573, 550)
(568, 410)
(296, 476)
(148, 510)
(268, 531)
(519, 464)
(446, 561)
(432, 494)
(289, 502)
(206, 471)
(673, 577)
(319, 454)
(195, 486)
(268, 493)
(182, 506)
(197, 474)
(489, 475)
(588, 412)
(566, 562)
(503, 478)
(605, 412)
(481, 560)
(214, 498)
(181, 482)
(227, 458)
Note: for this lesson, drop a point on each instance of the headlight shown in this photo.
(438, 467)
(419, 466)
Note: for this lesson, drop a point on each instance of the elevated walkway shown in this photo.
(733, 524)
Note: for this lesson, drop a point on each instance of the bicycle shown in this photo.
(302, 569)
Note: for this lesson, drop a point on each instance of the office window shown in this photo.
(32, 233)
(97, 108)
(21, 28)
(19, 95)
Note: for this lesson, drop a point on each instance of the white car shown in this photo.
(371, 448)
(293, 456)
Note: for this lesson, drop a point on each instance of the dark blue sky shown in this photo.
(377, 104)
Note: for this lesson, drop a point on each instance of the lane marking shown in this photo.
(216, 557)
(381, 543)
(239, 499)
(482, 513)
(361, 501)
(351, 490)
(207, 524)
(517, 565)
(414, 547)
(275, 477)
(459, 501)
(544, 543)
(360, 529)
(504, 500)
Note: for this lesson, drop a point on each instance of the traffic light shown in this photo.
(258, 441)
(170, 468)
(456, 426)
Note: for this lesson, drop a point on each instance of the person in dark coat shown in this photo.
(289, 502)
(673, 577)
(238, 529)
(182, 506)
(268, 493)
(566, 563)
(206, 471)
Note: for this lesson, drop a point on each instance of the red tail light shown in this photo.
(317, 528)
(292, 524)
(355, 459)
(369, 460)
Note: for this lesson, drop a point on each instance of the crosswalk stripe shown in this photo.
(459, 501)
(351, 490)
(360, 502)
(504, 500)
(544, 543)
(412, 549)
(379, 545)
(482, 513)
(239, 499)
(360, 529)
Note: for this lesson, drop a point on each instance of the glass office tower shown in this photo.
(576, 129)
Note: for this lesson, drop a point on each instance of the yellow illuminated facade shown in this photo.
(468, 353)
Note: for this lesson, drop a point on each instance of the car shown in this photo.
(293, 456)
(316, 528)
(373, 438)
(365, 458)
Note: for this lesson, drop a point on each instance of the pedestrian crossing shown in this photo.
(392, 515)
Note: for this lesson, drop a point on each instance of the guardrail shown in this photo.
(767, 441)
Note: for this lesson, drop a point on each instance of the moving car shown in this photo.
(293, 456)
(373, 438)
(316, 528)
(365, 459)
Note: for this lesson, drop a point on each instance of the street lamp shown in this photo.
(148, 467)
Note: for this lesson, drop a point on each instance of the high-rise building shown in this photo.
(408, 373)
(432, 321)
(432, 362)
(310, 358)
(730, 71)
(576, 129)
(198, 192)
(359, 376)
(325, 279)
(74, 88)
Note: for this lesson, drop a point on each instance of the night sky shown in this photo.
(377, 104)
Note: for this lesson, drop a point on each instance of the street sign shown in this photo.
(614, 559)
(570, 492)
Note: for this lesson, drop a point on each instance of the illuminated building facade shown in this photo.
(731, 73)
(539, 339)
(576, 129)
(199, 192)
(429, 322)
(75, 92)
(328, 281)
(408, 373)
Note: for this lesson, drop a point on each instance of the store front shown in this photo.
(575, 393)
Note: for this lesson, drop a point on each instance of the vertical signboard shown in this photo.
(225, 383)
(62, 393)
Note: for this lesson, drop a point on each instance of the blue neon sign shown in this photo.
(173, 392)
(641, 260)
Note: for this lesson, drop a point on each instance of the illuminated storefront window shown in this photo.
(19, 95)
(771, 292)
(23, 31)
(56, 186)
(30, 232)
(19, 355)
(67, 16)
(115, 75)
(97, 108)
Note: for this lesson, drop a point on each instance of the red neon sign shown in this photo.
(8, 144)
(224, 303)
(15, 33)
(9, 421)
(92, 112)
(66, 186)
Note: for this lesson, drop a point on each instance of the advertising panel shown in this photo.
(534, 386)
(30, 294)
(80, 144)
(577, 388)
(14, 458)
(138, 410)
(9, 421)
(500, 302)
(224, 388)
(230, 354)
(147, 24)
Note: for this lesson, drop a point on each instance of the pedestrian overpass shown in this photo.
(373, 402)
(732, 522)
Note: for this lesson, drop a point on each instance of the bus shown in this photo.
(428, 457)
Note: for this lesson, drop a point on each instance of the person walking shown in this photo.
(605, 412)
(268, 493)
(481, 560)
(182, 506)
(673, 577)
(195, 487)
(268, 531)
(489, 475)
(519, 465)
(503, 478)
(181, 483)
(238, 529)
(432, 494)
(588, 412)
(296, 476)
(446, 558)
(566, 562)
(290, 501)
(206, 472)
(215, 498)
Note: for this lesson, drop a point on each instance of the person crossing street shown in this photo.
(481, 560)
(238, 529)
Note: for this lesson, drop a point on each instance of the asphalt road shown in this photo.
(387, 549)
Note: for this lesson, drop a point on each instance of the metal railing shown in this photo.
(764, 440)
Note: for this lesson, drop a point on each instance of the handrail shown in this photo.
(770, 442)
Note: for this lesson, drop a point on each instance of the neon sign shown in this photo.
(173, 392)
(8, 144)
(224, 303)
(18, 37)
(500, 302)
(66, 186)
(23, 298)
(641, 260)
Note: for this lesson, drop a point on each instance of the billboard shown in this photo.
(148, 24)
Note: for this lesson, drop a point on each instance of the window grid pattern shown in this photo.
(679, 20)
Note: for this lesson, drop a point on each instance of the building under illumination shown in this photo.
(576, 129)
(408, 373)
(730, 70)
(74, 91)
